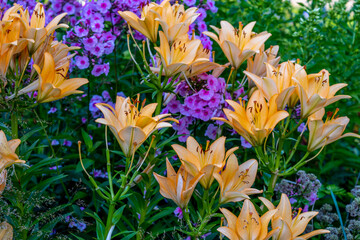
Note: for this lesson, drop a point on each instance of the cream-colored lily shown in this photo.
(315, 92)
(238, 44)
(180, 56)
(323, 133)
(3, 176)
(175, 21)
(256, 64)
(52, 83)
(130, 125)
(236, 181)
(8, 157)
(290, 228)
(179, 186)
(248, 225)
(257, 120)
(6, 231)
(278, 81)
(146, 24)
(209, 160)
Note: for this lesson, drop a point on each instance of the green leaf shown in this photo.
(87, 139)
(163, 213)
(44, 184)
(117, 215)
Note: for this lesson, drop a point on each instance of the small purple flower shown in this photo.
(174, 106)
(93, 101)
(302, 127)
(244, 143)
(292, 200)
(202, 26)
(69, 8)
(178, 213)
(211, 131)
(67, 143)
(215, 100)
(98, 50)
(202, 15)
(97, 26)
(81, 226)
(206, 94)
(90, 42)
(103, 5)
(212, 83)
(189, 3)
(82, 62)
(52, 110)
(55, 142)
(55, 167)
(83, 119)
(106, 96)
(211, 5)
(81, 32)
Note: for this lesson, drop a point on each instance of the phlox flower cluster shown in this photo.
(95, 30)
(74, 223)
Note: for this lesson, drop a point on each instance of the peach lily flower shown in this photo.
(179, 186)
(290, 228)
(175, 21)
(8, 156)
(6, 231)
(315, 92)
(257, 120)
(209, 160)
(146, 24)
(130, 125)
(236, 181)
(180, 56)
(3, 175)
(248, 225)
(323, 133)
(238, 44)
(277, 81)
(52, 83)
(256, 64)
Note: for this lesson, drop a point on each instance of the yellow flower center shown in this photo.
(255, 112)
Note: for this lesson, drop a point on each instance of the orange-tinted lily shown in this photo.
(179, 186)
(3, 175)
(180, 56)
(238, 44)
(175, 21)
(130, 125)
(209, 160)
(8, 156)
(256, 64)
(323, 133)
(236, 181)
(146, 24)
(278, 81)
(248, 225)
(315, 92)
(6, 231)
(257, 120)
(290, 227)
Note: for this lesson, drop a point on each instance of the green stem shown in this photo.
(159, 102)
(272, 184)
(14, 125)
(109, 218)
(233, 82)
(127, 164)
(296, 166)
(187, 218)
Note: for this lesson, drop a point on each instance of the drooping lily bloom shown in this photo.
(315, 92)
(3, 175)
(209, 160)
(6, 231)
(257, 120)
(256, 64)
(130, 125)
(238, 44)
(179, 186)
(52, 83)
(278, 81)
(8, 156)
(180, 56)
(323, 133)
(175, 21)
(236, 181)
(146, 24)
(290, 227)
(248, 225)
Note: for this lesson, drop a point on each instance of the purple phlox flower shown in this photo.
(109, 47)
(90, 42)
(55, 167)
(82, 62)
(178, 213)
(189, 3)
(214, 102)
(292, 200)
(313, 197)
(239, 92)
(55, 142)
(211, 5)
(202, 27)
(100, 69)
(106, 96)
(302, 127)
(81, 32)
(87, 10)
(97, 26)
(103, 5)
(139, 215)
(97, 50)
(69, 8)
(244, 143)
(212, 83)
(67, 143)
(83, 119)
(202, 15)
(174, 106)
(82, 208)
(306, 208)
(206, 114)
(206, 94)
(211, 131)
(52, 110)
(185, 110)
